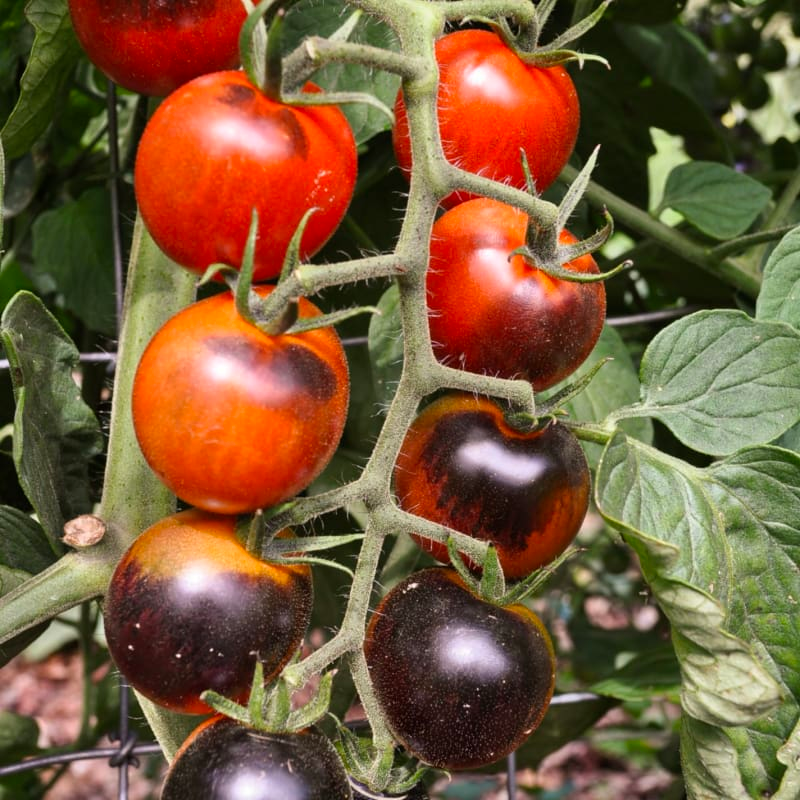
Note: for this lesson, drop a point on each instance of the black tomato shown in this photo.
(189, 609)
(463, 466)
(462, 682)
(223, 760)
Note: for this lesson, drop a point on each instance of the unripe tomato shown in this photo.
(189, 609)
(232, 419)
(462, 682)
(489, 314)
(463, 466)
(217, 148)
(152, 46)
(224, 760)
(491, 105)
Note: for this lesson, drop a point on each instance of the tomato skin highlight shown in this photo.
(224, 760)
(463, 466)
(231, 419)
(462, 682)
(492, 315)
(218, 148)
(151, 46)
(189, 609)
(491, 105)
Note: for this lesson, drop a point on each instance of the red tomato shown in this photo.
(491, 105)
(462, 682)
(232, 419)
(216, 149)
(489, 314)
(152, 46)
(189, 609)
(461, 465)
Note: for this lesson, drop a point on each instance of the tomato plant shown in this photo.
(232, 419)
(462, 682)
(688, 406)
(491, 105)
(217, 148)
(223, 760)
(463, 466)
(154, 47)
(502, 316)
(189, 609)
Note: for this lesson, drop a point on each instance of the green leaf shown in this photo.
(55, 52)
(385, 341)
(721, 381)
(2, 187)
(615, 385)
(720, 548)
(779, 298)
(55, 433)
(757, 493)
(646, 676)
(322, 18)
(662, 507)
(23, 544)
(73, 245)
(674, 55)
(717, 200)
(18, 736)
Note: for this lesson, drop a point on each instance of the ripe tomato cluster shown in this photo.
(234, 420)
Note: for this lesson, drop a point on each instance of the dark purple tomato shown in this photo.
(232, 419)
(189, 609)
(224, 760)
(463, 466)
(153, 46)
(502, 316)
(462, 682)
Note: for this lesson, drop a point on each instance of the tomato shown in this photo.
(491, 105)
(189, 609)
(461, 465)
(462, 682)
(218, 148)
(489, 314)
(232, 419)
(224, 760)
(152, 46)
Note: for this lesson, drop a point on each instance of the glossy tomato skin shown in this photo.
(463, 466)
(231, 419)
(502, 317)
(462, 682)
(224, 760)
(216, 149)
(188, 609)
(152, 46)
(491, 105)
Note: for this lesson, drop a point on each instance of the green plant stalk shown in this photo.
(680, 244)
(133, 497)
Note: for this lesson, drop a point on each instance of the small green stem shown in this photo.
(640, 221)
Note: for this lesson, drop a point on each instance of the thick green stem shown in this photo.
(680, 244)
(133, 497)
